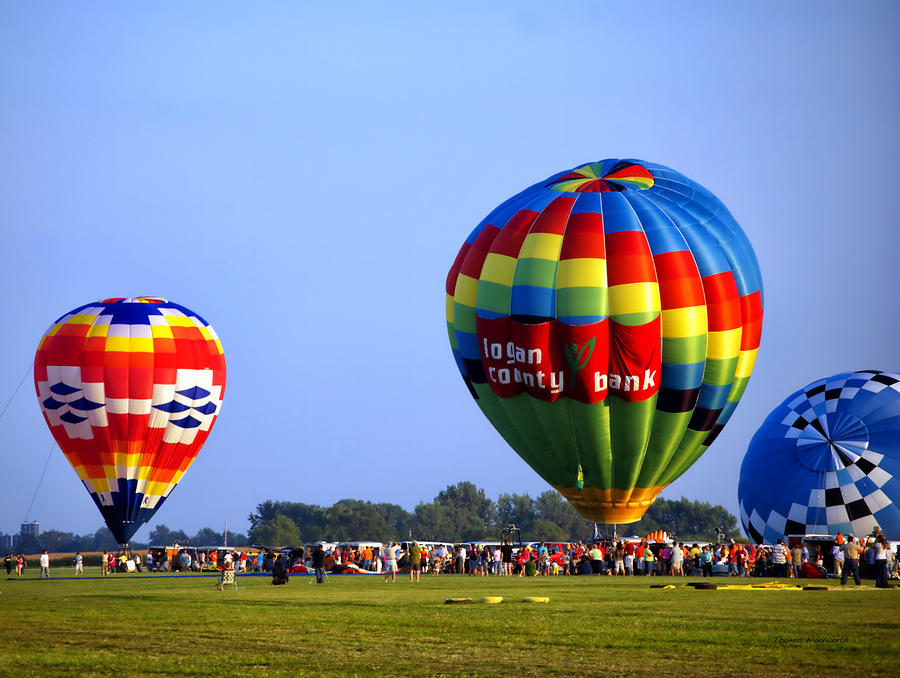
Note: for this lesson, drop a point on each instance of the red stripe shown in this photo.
(474, 261)
(454, 270)
(584, 238)
(752, 312)
(628, 258)
(680, 285)
(554, 216)
(510, 240)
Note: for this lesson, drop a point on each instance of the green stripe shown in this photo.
(582, 301)
(591, 422)
(719, 372)
(631, 423)
(634, 319)
(525, 437)
(535, 272)
(689, 450)
(738, 388)
(668, 429)
(493, 297)
(684, 350)
(463, 318)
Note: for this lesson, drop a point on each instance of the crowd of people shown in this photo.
(851, 557)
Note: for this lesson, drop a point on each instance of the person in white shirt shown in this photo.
(390, 561)
(45, 565)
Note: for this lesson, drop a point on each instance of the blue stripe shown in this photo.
(535, 301)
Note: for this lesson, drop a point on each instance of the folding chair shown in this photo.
(225, 578)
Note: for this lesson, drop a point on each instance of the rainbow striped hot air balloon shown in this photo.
(606, 320)
(130, 389)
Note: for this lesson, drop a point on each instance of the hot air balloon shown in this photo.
(826, 460)
(606, 320)
(130, 389)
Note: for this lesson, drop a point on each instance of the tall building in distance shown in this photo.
(33, 528)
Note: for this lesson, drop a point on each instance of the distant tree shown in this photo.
(312, 520)
(238, 539)
(516, 509)
(162, 536)
(434, 522)
(352, 519)
(551, 506)
(686, 519)
(397, 517)
(57, 542)
(464, 498)
(279, 531)
(208, 537)
(28, 543)
(101, 540)
(546, 530)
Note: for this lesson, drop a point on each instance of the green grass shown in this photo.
(359, 625)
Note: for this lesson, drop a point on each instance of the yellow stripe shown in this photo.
(689, 321)
(581, 273)
(98, 330)
(81, 319)
(746, 360)
(219, 347)
(724, 344)
(498, 268)
(161, 332)
(449, 308)
(179, 321)
(466, 290)
(640, 297)
(130, 344)
(570, 186)
(53, 330)
(541, 246)
(160, 488)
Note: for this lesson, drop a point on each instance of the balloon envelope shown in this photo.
(130, 389)
(826, 460)
(606, 321)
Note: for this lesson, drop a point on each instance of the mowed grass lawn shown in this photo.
(360, 626)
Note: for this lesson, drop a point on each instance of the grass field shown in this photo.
(360, 626)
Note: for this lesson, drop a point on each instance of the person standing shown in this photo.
(104, 564)
(8, 562)
(79, 563)
(796, 560)
(318, 563)
(506, 551)
(596, 555)
(780, 559)
(851, 561)
(677, 560)
(45, 565)
(415, 561)
(390, 561)
(881, 554)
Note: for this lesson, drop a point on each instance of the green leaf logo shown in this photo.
(578, 358)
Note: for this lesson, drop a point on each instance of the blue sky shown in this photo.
(303, 176)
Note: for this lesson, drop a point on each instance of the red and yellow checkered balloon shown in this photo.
(130, 389)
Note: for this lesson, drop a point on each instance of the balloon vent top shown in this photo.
(603, 177)
(830, 443)
(135, 300)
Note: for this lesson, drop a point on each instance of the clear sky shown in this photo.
(303, 174)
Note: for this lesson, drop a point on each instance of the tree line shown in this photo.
(56, 541)
(460, 512)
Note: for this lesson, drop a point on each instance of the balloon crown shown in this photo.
(603, 177)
